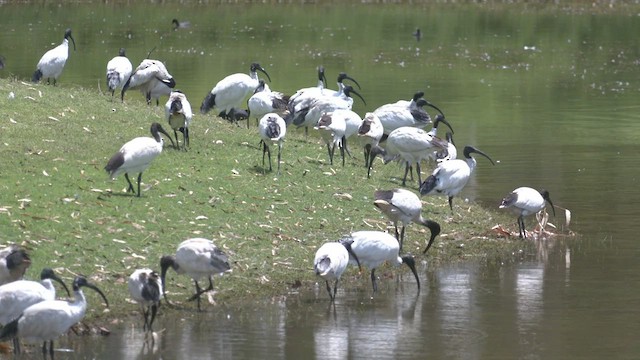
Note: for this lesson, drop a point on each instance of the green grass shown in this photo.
(57, 201)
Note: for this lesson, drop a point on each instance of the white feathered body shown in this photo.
(52, 62)
(138, 155)
(182, 117)
(200, 258)
(374, 248)
(330, 261)
(15, 297)
(118, 72)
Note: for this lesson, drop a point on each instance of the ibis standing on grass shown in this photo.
(526, 201)
(405, 113)
(331, 261)
(197, 258)
(118, 71)
(14, 262)
(179, 115)
(47, 320)
(145, 288)
(371, 132)
(152, 78)
(136, 155)
(52, 62)
(450, 177)
(264, 101)
(400, 205)
(373, 248)
(272, 130)
(230, 92)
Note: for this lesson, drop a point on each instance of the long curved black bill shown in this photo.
(265, 72)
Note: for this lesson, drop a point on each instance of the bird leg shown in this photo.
(450, 203)
(130, 189)
(342, 151)
(330, 150)
(401, 238)
(175, 133)
(367, 150)
(329, 290)
(418, 173)
(279, 153)
(344, 145)
(406, 170)
(523, 232)
(139, 179)
(200, 291)
(185, 138)
(335, 290)
(145, 314)
(374, 282)
(154, 311)
(16, 346)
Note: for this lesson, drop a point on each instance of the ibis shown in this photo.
(373, 248)
(336, 127)
(230, 92)
(405, 113)
(371, 132)
(450, 177)
(47, 320)
(272, 130)
(178, 113)
(451, 153)
(180, 24)
(152, 78)
(197, 258)
(136, 155)
(264, 101)
(52, 62)
(525, 201)
(14, 262)
(331, 261)
(118, 71)
(309, 115)
(145, 288)
(401, 205)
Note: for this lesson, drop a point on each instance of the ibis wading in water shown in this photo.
(136, 155)
(145, 288)
(118, 71)
(331, 261)
(14, 262)
(373, 248)
(47, 320)
(196, 258)
(451, 176)
(526, 201)
(179, 115)
(229, 93)
(401, 205)
(52, 62)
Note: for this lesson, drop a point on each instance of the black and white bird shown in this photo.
(136, 155)
(370, 133)
(264, 101)
(47, 320)
(525, 201)
(400, 205)
(272, 129)
(451, 153)
(321, 84)
(145, 288)
(450, 177)
(373, 248)
(153, 80)
(14, 262)
(230, 93)
(52, 62)
(180, 24)
(178, 113)
(118, 71)
(197, 258)
(405, 113)
(331, 261)
(336, 127)
(309, 115)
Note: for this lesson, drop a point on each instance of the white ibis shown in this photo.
(180, 24)
(373, 248)
(264, 101)
(145, 288)
(525, 201)
(197, 258)
(450, 177)
(230, 92)
(309, 116)
(336, 127)
(272, 130)
(178, 113)
(136, 155)
(52, 62)
(371, 132)
(14, 262)
(331, 261)
(152, 78)
(47, 320)
(118, 71)
(400, 205)
(451, 153)
(322, 83)
(405, 113)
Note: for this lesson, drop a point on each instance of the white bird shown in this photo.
(330, 262)
(400, 205)
(230, 92)
(145, 288)
(118, 71)
(264, 101)
(14, 262)
(450, 177)
(47, 320)
(272, 130)
(136, 155)
(180, 24)
(412, 145)
(405, 113)
(52, 62)
(309, 115)
(526, 201)
(197, 258)
(370, 131)
(152, 78)
(322, 83)
(373, 248)
(332, 127)
(451, 153)
(178, 113)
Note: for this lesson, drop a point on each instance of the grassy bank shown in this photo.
(57, 201)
